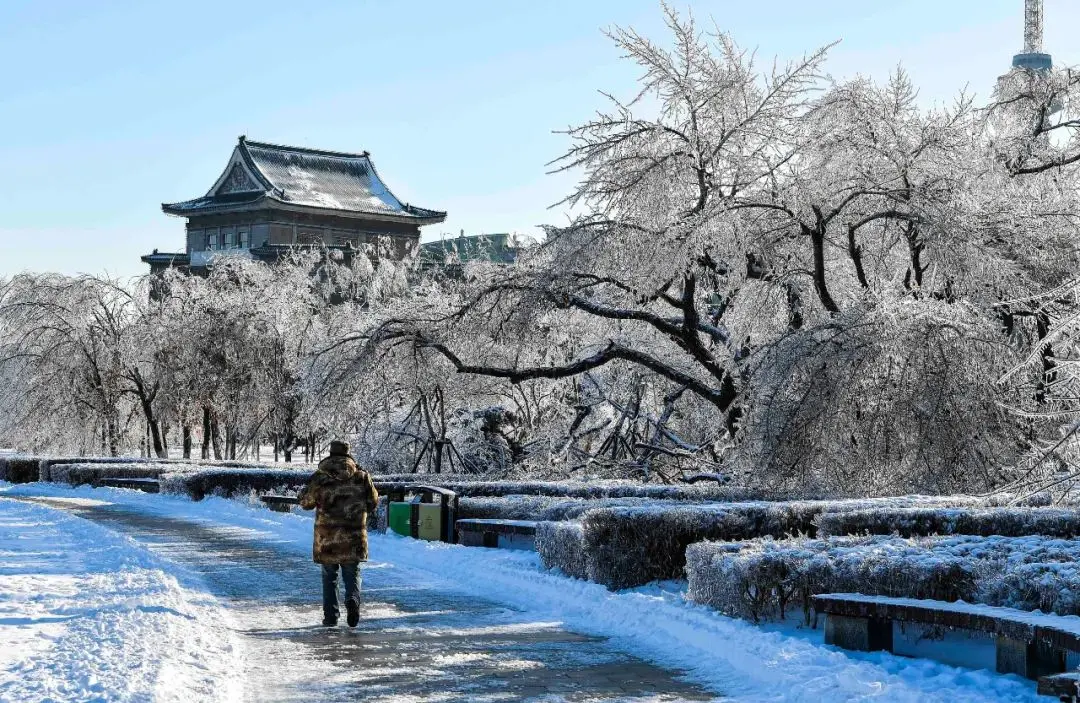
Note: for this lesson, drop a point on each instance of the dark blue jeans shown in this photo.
(350, 574)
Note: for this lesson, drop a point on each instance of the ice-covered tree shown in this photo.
(827, 266)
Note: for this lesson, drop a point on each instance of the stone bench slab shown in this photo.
(146, 485)
(502, 534)
(1029, 644)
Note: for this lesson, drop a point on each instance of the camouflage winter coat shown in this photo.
(342, 495)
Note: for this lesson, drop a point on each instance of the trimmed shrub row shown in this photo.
(576, 489)
(767, 579)
(228, 483)
(18, 469)
(561, 545)
(79, 474)
(909, 522)
(539, 507)
(46, 465)
(51, 469)
(627, 547)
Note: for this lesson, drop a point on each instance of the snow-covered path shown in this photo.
(415, 642)
(85, 615)
(462, 624)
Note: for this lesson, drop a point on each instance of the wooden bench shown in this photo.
(505, 534)
(280, 504)
(146, 485)
(1031, 645)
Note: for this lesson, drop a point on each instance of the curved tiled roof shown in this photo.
(310, 178)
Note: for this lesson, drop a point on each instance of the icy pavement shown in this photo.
(413, 643)
(454, 623)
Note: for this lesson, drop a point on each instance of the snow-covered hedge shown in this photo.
(18, 469)
(227, 483)
(539, 507)
(561, 545)
(579, 489)
(79, 474)
(627, 547)
(908, 522)
(47, 466)
(766, 579)
(631, 546)
(50, 468)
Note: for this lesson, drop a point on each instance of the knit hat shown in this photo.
(339, 448)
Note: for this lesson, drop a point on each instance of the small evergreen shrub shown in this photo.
(78, 474)
(909, 522)
(561, 545)
(768, 579)
(631, 546)
(18, 469)
(228, 483)
(549, 508)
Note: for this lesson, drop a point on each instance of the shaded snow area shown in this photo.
(733, 659)
(87, 615)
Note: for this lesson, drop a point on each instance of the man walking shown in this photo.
(342, 495)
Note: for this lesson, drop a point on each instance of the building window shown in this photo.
(212, 240)
(230, 238)
(244, 241)
(309, 236)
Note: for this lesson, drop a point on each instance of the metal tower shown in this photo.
(1033, 57)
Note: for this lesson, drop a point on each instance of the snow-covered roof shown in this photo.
(301, 178)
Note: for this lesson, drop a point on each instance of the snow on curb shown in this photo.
(732, 657)
(88, 615)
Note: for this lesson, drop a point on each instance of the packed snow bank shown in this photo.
(87, 615)
(736, 659)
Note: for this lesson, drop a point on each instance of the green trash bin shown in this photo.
(400, 519)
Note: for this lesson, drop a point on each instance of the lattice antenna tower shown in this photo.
(1033, 26)
(1033, 57)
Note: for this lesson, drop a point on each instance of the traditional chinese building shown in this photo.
(271, 198)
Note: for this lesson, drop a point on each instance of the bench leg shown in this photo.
(859, 634)
(1028, 659)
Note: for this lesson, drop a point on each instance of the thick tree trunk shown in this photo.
(114, 434)
(206, 432)
(187, 441)
(1049, 363)
(215, 436)
(154, 432)
(817, 239)
(146, 401)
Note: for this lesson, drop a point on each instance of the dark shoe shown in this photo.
(329, 622)
(353, 610)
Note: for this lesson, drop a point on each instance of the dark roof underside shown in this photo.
(214, 202)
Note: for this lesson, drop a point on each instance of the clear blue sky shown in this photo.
(109, 108)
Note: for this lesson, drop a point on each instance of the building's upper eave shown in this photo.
(306, 180)
(213, 203)
(167, 258)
